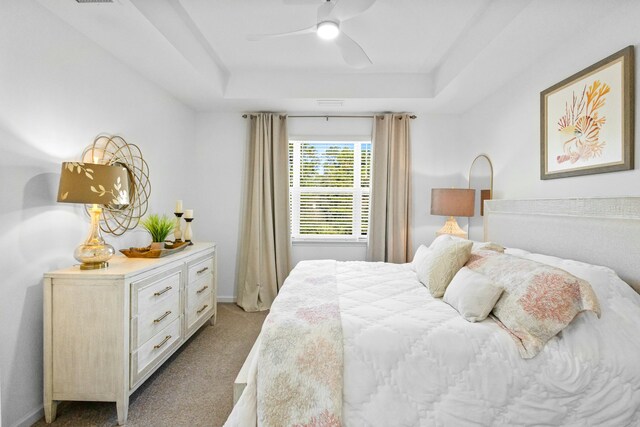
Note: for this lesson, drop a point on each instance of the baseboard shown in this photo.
(226, 299)
(30, 419)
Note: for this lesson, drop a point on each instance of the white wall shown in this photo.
(220, 162)
(58, 91)
(436, 164)
(221, 141)
(506, 125)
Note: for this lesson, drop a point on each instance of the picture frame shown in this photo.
(587, 120)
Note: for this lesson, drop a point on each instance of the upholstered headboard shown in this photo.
(600, 231)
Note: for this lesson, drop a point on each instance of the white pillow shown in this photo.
(517, 252)
(477, 246)
(473, 294)
(420, 256)
(439, 265)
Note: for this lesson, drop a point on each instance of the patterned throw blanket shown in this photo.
(298, 380)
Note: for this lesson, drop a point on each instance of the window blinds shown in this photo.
(329, 189)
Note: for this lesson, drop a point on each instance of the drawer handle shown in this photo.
(167, 289)
(202, 309)
(199, 291)
(164, 341)
(202, 270)
(161, 318)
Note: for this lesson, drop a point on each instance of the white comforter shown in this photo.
(412, 360)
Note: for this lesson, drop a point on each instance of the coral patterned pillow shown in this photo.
(538, 300)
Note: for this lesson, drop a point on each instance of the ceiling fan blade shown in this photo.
(256, 37)
(352, 52)
(347, 9)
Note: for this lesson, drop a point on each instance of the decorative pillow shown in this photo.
(538, 300)
(441, 263)
(442, 238)
(604, 281)
(472, 294)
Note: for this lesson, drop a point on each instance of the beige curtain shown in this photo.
(389, 226)
(265, 248)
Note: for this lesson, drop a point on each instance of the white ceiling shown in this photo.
(428, 55)
(399, 36)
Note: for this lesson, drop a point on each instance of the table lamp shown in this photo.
(95, 184)
(452, 202)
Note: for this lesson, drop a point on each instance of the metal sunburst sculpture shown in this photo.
(111, 149)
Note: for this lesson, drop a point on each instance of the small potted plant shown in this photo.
(159, 227)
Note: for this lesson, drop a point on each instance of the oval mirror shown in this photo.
(481, 180)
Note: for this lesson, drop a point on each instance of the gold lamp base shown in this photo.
(93, 265)
(451, 227)
(94, 252)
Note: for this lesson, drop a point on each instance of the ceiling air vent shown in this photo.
(94, 1)
(330, 102)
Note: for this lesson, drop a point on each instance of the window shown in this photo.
(329, 183)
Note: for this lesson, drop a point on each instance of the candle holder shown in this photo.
(177, 232)
(188, 235)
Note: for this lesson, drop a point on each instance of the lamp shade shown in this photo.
(91, 183)
(452, 201)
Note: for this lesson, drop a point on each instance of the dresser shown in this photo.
(106, 331)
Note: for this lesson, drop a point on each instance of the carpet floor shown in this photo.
(193, 388)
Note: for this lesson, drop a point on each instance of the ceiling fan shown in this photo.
(331, 14)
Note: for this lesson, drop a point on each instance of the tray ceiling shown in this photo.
(428, 55)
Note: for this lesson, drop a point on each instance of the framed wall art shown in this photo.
(587, 120)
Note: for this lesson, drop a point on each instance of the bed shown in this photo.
(356, 343)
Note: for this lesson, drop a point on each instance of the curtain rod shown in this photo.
(413, 116)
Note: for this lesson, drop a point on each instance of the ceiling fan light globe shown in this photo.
(328, 30)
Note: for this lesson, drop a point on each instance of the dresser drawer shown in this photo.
(153, 352)
(199, 269)
(199, 310)
(199, 288)
(148, 292)
(157, 317)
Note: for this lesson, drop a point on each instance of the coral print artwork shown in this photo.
(581, 124)
(587, 120)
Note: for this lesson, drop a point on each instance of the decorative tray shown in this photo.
(147, 252)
